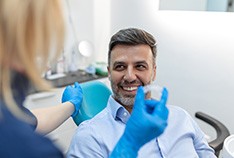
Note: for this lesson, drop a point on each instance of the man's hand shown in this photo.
(74, 95)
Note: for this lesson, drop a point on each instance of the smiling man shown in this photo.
(131, 63)
(130, 67)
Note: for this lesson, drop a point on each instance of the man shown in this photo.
(131, 63)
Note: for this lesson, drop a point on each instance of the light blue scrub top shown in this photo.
(97, 137)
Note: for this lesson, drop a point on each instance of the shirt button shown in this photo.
(125, 114)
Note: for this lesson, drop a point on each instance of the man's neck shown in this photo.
(129, 109)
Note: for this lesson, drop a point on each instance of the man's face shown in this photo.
(130, 67)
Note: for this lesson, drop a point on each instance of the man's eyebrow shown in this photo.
(118, 63)
(141, 62)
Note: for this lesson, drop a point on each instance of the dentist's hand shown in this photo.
(148, 121)
(74, 95)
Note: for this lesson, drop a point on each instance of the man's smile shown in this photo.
(134, 88)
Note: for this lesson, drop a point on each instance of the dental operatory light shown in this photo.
(85, 48)
(81, 50)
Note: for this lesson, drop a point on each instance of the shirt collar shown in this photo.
(118, 112)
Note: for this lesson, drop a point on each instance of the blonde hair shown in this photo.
(28, 29)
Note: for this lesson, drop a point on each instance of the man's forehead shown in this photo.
(131, 57)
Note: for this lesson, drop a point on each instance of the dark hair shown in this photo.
(132, 36)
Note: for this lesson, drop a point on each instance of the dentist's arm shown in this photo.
(50, 118)
(148, 121)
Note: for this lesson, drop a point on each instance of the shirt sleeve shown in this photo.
(200, 143)
(85, 143)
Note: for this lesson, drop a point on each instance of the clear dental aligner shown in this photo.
(153, 87)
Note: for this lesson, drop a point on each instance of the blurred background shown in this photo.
(195, 47)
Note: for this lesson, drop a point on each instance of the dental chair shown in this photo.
(96, 95)
(221, 131)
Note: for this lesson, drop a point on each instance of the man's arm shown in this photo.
(200, 143)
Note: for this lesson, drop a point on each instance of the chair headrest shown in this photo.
(95, 98)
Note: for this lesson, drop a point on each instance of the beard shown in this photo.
(125, 100)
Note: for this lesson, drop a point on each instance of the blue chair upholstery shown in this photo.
(95, 97)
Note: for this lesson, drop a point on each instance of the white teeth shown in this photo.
(130, 88)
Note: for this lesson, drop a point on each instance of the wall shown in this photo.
(195, 49)
(195, 54)
(79, 16)
(87, 20)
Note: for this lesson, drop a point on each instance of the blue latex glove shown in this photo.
(148, 120)
(74, 95)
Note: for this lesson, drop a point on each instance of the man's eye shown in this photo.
(119, 67)
(141, 67)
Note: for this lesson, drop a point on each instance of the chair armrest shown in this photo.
(220, 128)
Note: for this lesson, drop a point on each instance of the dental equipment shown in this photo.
(155, 89)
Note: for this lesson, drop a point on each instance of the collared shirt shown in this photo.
(98, 136)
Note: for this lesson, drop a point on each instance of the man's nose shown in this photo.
(130, 75)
